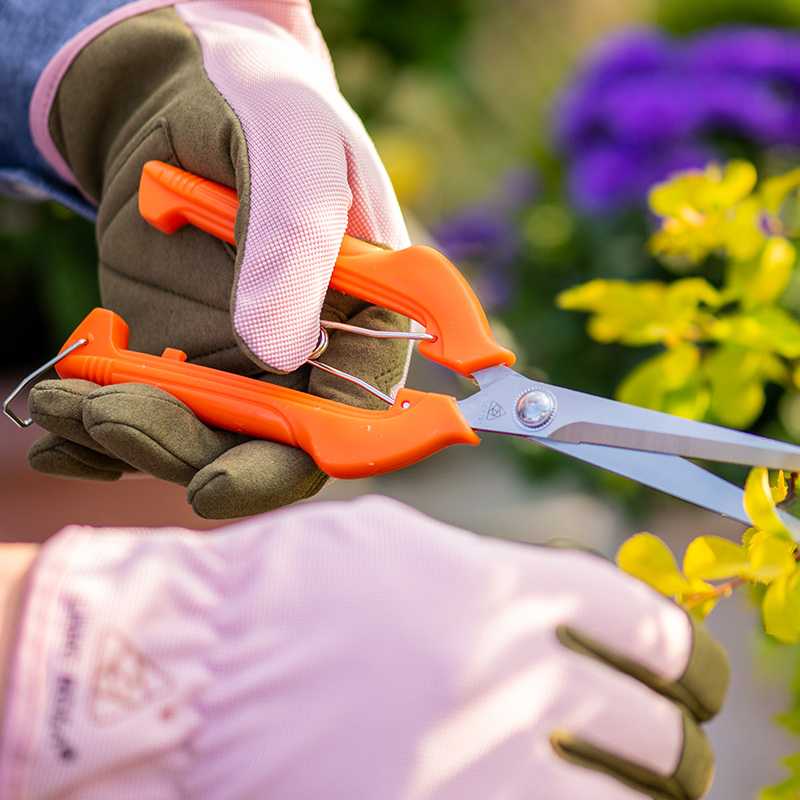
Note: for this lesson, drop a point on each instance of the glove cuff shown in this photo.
(44, 92)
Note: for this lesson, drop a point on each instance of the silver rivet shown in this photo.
(534, 408)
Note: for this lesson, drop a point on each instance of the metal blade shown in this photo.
(510, 403)
(496, 408)
(667, 473)
(672, 475)
(698, 440)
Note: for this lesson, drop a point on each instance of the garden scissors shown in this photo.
(646, 446)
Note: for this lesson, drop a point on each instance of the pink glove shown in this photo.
(313, 176)
(241, 93)
(354, 652)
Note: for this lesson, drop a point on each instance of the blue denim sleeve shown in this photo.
(31, 33)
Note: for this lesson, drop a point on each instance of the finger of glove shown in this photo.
(298, 201)
(54, 455)
(627, 719)
(624, 623)
(382, 363)
(700, 688)
(252, 478)
(153, 431)
(690, 779)
(57, 406)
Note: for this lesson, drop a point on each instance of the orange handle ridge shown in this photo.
(417, 282)
(345, 441)
(170, 198)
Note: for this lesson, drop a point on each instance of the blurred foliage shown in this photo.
(684, 16)
(408, 31)
(48, 280)
(720, 343)
(454, 93)
(633, 98)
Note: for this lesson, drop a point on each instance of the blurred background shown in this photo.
(521, 137)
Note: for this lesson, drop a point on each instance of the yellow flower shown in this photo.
(699, 209)
(768, 554)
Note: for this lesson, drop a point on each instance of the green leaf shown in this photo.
(679, 241)
(760, 505)
(622, 311)
(705, 210)
(680, 191)
(702, 610)
(780, 609)
(713, 189)
(773, 191)
(668, 382)
(768, 329)
(647, 557)
(781, 489)
(713, 558)
(616, 304)
(788, 789)
(738, 180)
(785, 790)
(790, 720)
(736, 378)
(761, 280)
(643, 313)
(775, 269)
(690, 401)
(770, 556)
(742, 236)
(685, 295)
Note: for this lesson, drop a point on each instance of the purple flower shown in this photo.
(490, 241)
(607, 178)
(487, 235)
(645, 103)
(637, 51)
(475, 233)
(752, 51)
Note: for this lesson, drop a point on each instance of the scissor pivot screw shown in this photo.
(535, 408)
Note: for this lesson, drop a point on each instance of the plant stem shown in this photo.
(722, 590)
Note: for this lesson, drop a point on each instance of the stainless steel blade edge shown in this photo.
(580, 418)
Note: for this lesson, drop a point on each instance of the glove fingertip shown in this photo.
(57, 406)
(253, 478)
(707, 675)
(53, 455)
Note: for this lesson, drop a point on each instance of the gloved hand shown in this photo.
(243, 94)
(351, 650)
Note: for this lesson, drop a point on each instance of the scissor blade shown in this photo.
(672, 475)
(667, 473)
(579, 418)
(698, 440)
(494, 408)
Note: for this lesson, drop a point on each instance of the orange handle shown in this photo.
(417, 282)
(346, 442)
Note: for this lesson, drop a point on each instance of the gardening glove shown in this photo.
(242, 94)
(351, 650)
